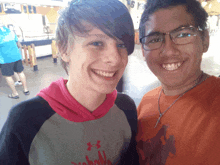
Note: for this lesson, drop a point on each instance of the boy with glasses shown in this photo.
(178, 121)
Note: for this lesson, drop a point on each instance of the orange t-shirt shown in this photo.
(188, 133)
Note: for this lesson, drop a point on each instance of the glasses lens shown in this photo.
(152, 42)
(184, 36)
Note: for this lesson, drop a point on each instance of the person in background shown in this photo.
(82, 120)
(18, 81)
(10, 60)
(178, 122)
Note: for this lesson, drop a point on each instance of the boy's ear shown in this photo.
(65, 57)
(206, 41)
(63, 54)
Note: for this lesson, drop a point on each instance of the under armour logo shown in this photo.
(94, 145)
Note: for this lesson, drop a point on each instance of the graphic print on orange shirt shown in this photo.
(102, 156)
(157, 149)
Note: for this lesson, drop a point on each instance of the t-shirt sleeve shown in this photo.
(23, 123)
(125, 103)
(11, 151)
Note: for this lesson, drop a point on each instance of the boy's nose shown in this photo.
(169, 48)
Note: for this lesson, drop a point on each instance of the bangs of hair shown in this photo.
(110, 16)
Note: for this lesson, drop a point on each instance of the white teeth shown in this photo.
(105, 74)
(172, 66)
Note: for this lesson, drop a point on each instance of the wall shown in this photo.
(136, 8)
(28, 16)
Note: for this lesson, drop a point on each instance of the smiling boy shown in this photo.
(178, 121)
(82, 120)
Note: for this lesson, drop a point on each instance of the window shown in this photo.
(30, 9)
(25, 8)
(34, 10)
(0, 7)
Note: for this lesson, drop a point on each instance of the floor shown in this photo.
(138, 78)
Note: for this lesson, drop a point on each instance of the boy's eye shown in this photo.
(97, 43)
(121, 45)
(155, 40)
(183, 35)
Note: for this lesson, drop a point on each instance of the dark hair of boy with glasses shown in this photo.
(82, 120)
(178, 121)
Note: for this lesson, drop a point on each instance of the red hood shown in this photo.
(62, 102)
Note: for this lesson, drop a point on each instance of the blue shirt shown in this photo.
(9, 51)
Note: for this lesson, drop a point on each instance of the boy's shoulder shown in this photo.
(29, 111)
(30, 106)
(152, 93)
(125, 102)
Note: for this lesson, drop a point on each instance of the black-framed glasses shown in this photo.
(180, 36)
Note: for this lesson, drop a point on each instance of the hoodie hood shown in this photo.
(63, 103)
